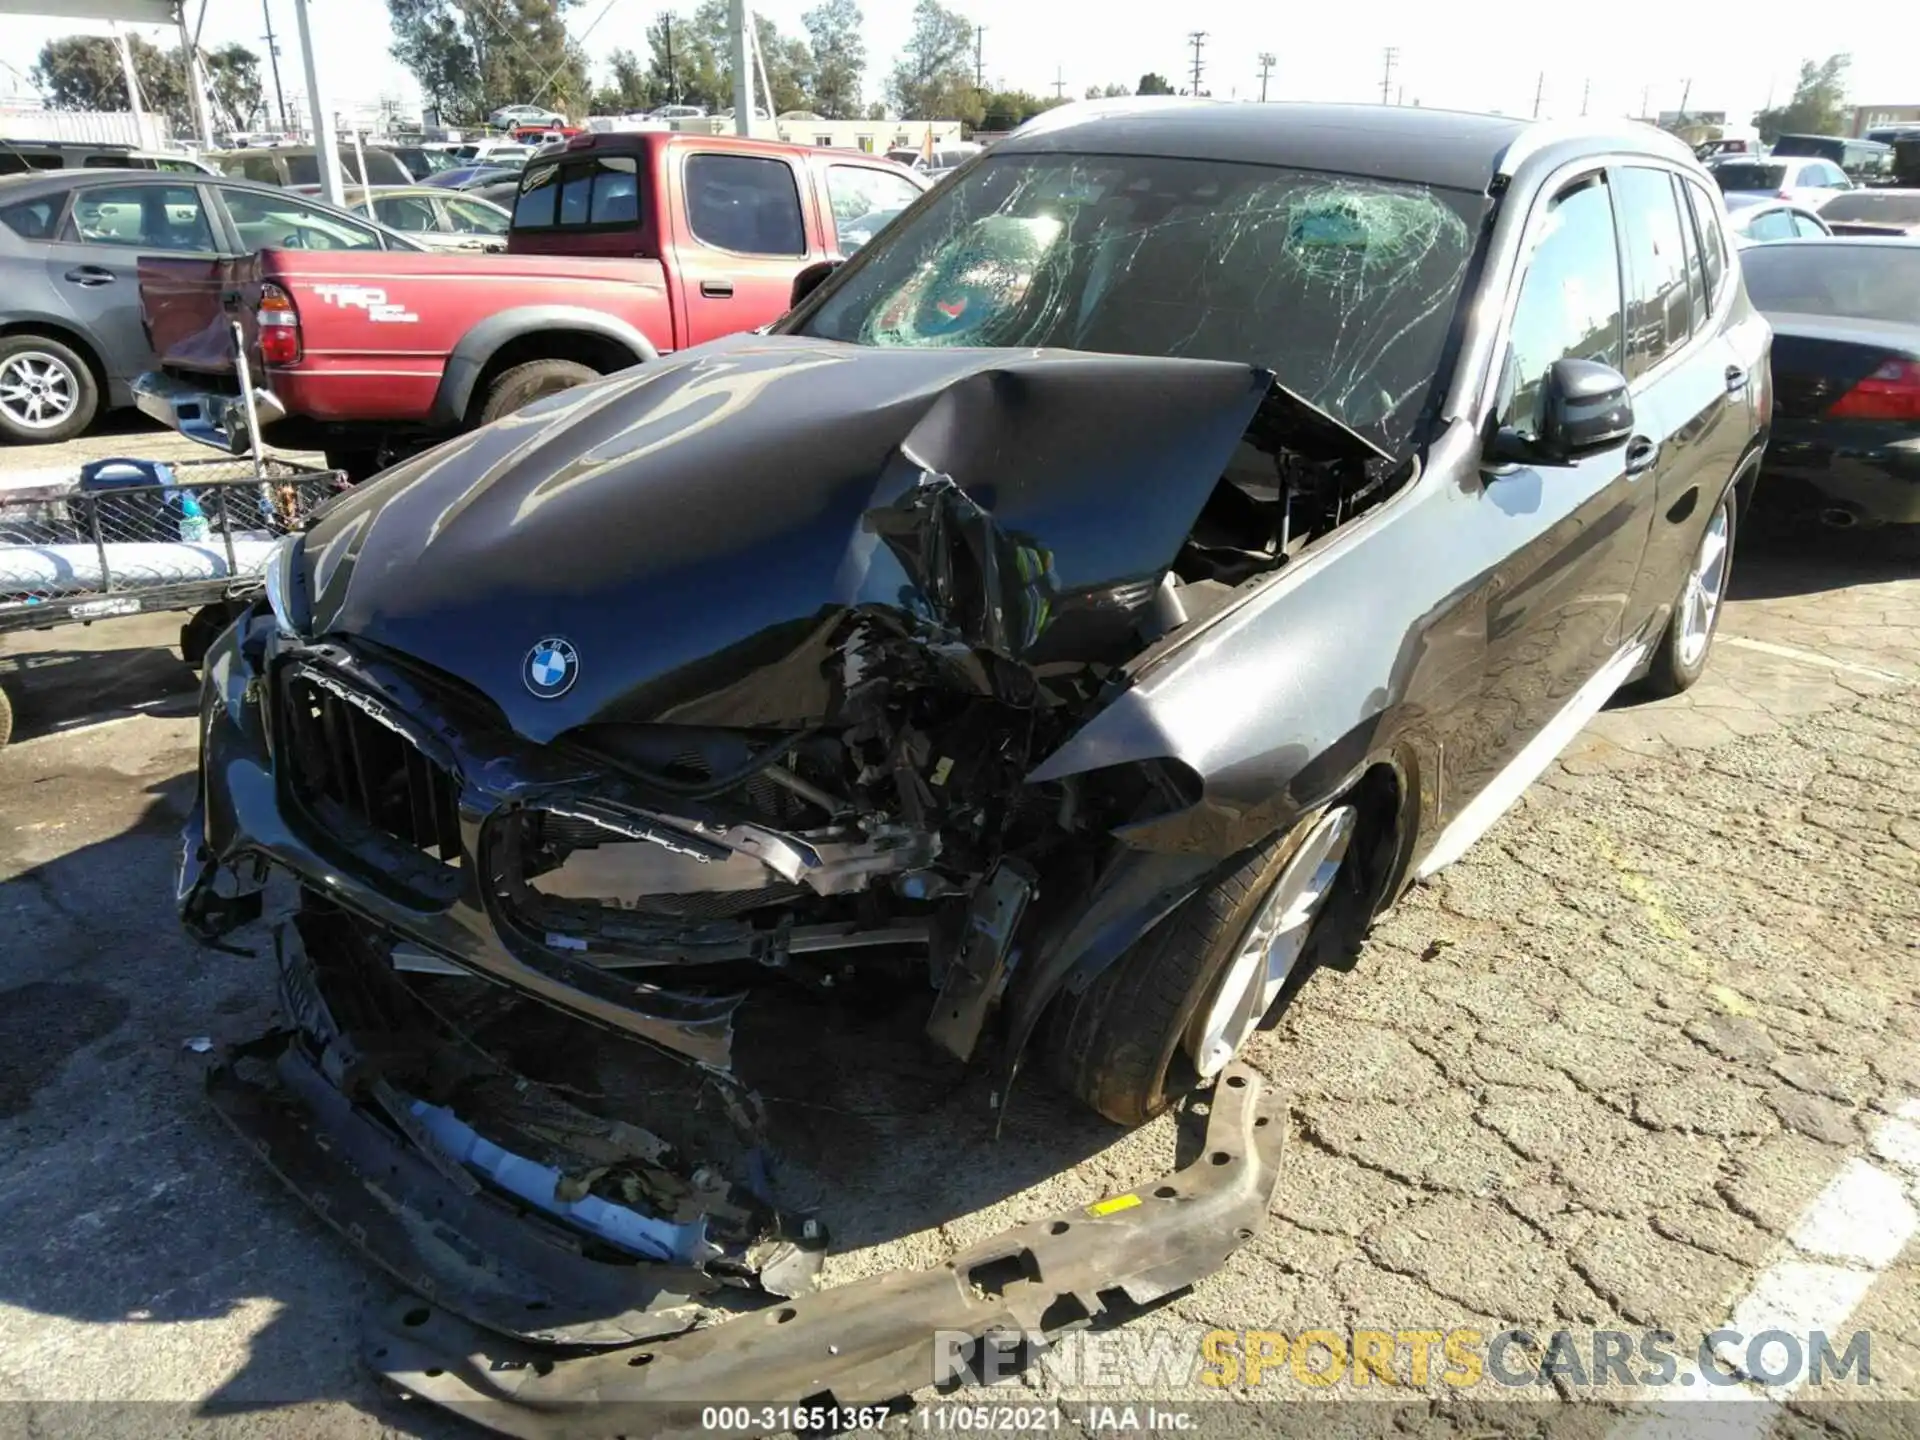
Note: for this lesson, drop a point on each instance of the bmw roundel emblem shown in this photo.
(552, 667)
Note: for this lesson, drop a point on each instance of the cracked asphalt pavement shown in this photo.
(1596, 1076)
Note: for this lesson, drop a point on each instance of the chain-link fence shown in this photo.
(136, 535)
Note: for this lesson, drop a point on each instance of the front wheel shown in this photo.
(1682, 656)
(1176, 1007)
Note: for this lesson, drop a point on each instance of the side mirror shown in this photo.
(809, 280)
(1584, 409)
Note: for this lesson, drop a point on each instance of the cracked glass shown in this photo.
(1345, 287)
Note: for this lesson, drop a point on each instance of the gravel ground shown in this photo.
(1591, 1078)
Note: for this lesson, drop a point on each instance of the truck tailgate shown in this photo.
(188, 307)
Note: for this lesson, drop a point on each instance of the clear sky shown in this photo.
(1474, 55)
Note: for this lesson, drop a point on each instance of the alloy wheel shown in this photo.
(1273, 942)
(1706, 584)
(37, 390)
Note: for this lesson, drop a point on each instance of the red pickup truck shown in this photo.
(623, 247)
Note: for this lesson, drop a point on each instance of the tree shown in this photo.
(1152, 84)
(82, 72)
(702, 68)
(472, 56)
(933, 79)
(630, 90)
(839, 57)
(1106, 92)
(1010, 109)
(1818, 106)
(233, 78)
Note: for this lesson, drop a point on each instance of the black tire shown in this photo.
(75, 379)
(1119, 1046)
(1671, 671)
(207, 625)
(536, 379)
(6, 716)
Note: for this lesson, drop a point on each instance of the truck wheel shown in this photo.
(524, 384)
(1171, 1011)
(47, 392)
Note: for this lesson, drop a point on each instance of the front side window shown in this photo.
(1805, 227)
(745, 203)
(864, 199)
(1345, 287)
(473, 217)
(151, 217)
(411, 213)
(1569, 302)
(1773, 225)
(267, 221)
(1659, 315)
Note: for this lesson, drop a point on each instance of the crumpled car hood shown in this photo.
(693, 527)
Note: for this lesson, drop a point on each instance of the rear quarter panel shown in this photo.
(378, 328)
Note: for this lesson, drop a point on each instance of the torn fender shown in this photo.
(877, 1341)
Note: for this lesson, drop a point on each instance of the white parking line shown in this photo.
(1854, 1229)
(1810, 657)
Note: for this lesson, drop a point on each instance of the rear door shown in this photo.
(1690, 384)
(94, 264)
(739, 239)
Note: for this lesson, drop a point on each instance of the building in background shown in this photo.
(799, 127)
(1876, 117)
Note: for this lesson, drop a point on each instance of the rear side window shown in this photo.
(1713, 241)
(33, 219)
(413, 213)
(1569, 304)
(1748, 175)
(1861, 282)
(1696, 267)
(1774, 225)
(1659, 315)
(1806, 227)
(17, 162)
(602, 190)
(748, 204)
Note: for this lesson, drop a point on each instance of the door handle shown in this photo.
(1642, 454)
(90, 275)
(1736, 379)
(717, 289)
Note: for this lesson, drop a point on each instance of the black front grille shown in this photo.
(340, 758)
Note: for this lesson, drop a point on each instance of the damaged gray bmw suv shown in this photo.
(1093, 602)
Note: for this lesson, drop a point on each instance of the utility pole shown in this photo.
(133, 83)
(1059, 83)
(1266, 69)
(326, 148)
(979, 68)
(1198, 39)
(673, 90)
(737, 22)
(273, 58)
(1686, 94)
(1646, 96)
(1386, 78)
(1539, 90)
(1586, 93)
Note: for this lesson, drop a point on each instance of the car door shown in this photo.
(1572, 534)
(94, 263)
(741, 239)
(1688, 383)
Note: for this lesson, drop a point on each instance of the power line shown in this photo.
(1266, 69)
(1198, 39)
(1386, 77)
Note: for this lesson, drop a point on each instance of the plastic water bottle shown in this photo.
(193, 520)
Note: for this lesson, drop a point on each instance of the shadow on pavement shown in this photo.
(136, 1218)
(56, 689)
(1776, 558)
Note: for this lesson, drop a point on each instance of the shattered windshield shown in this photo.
(1344, 287)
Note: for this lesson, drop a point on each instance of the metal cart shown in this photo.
(135, 536)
